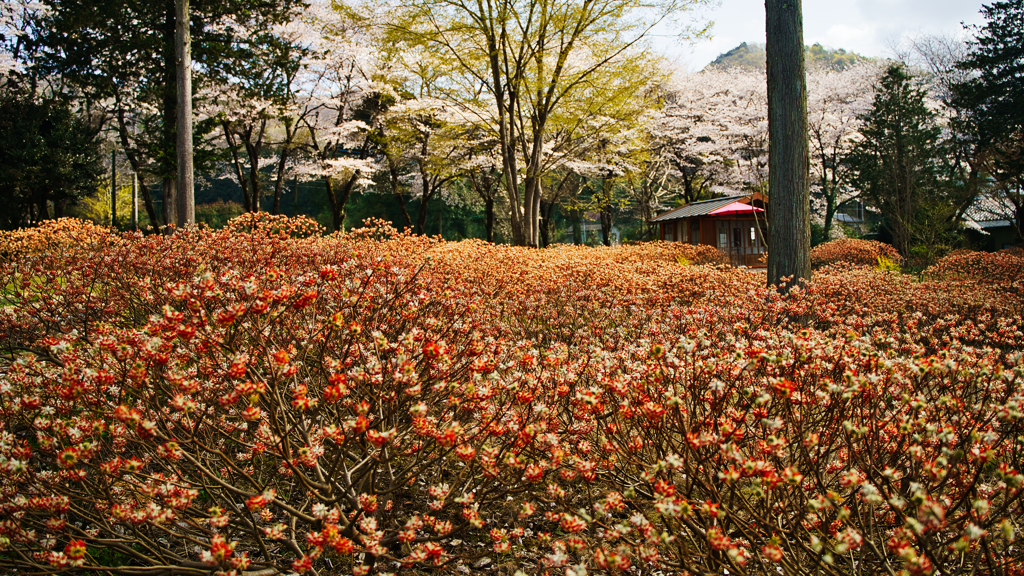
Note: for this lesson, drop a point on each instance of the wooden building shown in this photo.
(734, 224)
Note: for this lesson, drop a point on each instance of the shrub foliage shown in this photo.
(263, 399)
(853, 251)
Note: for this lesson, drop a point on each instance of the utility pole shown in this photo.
(186, 213)
(135, 201)
(113, 188)
(789, 200)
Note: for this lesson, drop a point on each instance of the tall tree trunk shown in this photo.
(133, 159)
(282, 163)
(489, 219)
(137, 168)
(169, 113)
(183, 52)
(253, 149)
(396, 189)
(170, 201)
(113, 188)
(788, 161)
(44, 211)
(337, 215)
(338, 199)
(233, 146)
(546, 208)
(421, 216)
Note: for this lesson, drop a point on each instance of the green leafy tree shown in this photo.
(994, 100)
(527, 60)
(897, 164)
(121, 55)
(48, 155)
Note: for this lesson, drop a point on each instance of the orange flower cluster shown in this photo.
(853, 251)
(269, 399)
(1005, 266)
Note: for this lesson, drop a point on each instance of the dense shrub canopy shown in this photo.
(853, 251)
(265, 399)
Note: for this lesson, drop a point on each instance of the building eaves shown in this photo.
(701, 208)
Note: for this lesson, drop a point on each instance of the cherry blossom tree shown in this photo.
(530, 57)
(836, 101)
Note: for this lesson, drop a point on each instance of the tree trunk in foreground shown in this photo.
(183, 51)
(789, 223)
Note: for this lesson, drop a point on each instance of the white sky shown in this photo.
(867, 27)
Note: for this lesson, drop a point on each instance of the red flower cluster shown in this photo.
(267, 399)
(853, 251)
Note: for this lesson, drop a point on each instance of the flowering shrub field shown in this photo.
(266, 400)
(1002, 266)
(853, 251)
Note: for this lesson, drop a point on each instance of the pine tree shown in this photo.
(896, 164)
(994, 100)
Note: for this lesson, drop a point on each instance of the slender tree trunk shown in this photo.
(135, 202)
(113, 189)
(421, 216)
(169, 113)
(233, 146)
(338, 199)
(337, 216)
(343, 196)
(489, 219)
(170, 201)
(788, 179)
(545, 233)
(282, 163)
(253, 149)
(133, 159)
(396, 189)
(183, 51)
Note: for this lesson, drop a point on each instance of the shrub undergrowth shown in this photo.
(265, 399)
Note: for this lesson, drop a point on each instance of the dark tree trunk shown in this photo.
(421, 216)
(393, 180)
(183, 117)
(789, 225)
(338, 199)
(170, 113)
(489, 219)
(1020, 223)
(544, 232)
(282, 163)
(133, 159)
(233, 146)
(170, 202)
(606, 225)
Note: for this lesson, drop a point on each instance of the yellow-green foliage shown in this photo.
(96, 207)
(886, 264)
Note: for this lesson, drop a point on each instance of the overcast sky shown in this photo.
(866, 27)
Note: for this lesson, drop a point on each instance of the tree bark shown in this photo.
(338, 199)
(233, 146)
(169, 114)
(394, 181)
(170, 201)
(282, 163)
(113, 188)
(789, 225)
(183, 51)
(133, 159)
(489, 219)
